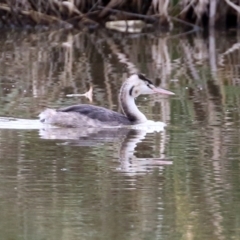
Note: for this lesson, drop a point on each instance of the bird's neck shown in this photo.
(128, 105)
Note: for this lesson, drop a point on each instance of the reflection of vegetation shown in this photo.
(196, 196)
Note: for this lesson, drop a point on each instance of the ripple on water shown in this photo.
(91, 188)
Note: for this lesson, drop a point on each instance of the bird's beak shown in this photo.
(162, 91)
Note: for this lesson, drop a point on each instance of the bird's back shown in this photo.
(84, 115)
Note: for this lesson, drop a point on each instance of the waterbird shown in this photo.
(86, 115)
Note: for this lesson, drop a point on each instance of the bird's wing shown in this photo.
(98, 113)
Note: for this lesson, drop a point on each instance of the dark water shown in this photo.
(180, 183)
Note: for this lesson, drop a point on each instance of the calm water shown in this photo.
(179, 183)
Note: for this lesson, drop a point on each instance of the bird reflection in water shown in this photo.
(125, 140)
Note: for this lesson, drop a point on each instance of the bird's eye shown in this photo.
(148, 84)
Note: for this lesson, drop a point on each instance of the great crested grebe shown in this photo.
(85, 115)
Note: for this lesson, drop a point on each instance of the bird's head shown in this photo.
(139, 84)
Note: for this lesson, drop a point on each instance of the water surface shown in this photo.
(179, 183)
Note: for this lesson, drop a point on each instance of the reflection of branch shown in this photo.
(212, 191)
(122, 56)
(67, 72)
(230, 50)
(160, 55)
(212, 53)
(107, 71)
(107, 82)
(234, 6)
(234, 47)
(189, 61)
(212, 13)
